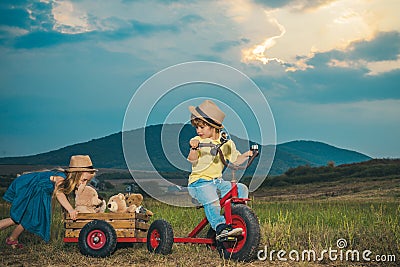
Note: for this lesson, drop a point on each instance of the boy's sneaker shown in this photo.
(224, 230)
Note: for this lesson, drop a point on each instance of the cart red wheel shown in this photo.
(97, 239)
(246, 245)
(160, 237)
(154, 239)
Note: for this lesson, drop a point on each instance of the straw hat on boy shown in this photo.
(81, 163)
(209, 112)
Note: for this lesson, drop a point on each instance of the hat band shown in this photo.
(208, 119)
(88, 167)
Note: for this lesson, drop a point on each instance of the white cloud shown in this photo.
(257, 52)
(332, 26)
(290, 35)
(69, 19)
(374, 67)
(378, 67)
(6, 31)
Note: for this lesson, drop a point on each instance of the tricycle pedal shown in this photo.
(228, 239)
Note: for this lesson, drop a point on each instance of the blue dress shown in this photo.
(30, 196)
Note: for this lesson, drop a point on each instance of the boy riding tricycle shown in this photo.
(236, 233)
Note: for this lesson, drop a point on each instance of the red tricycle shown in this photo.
(98, 234)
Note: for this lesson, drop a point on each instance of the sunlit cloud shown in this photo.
(343, 64)
(374, 67)
(370, 55)
(308, 5)
(379, 67)
(257, 52)
(69, 19)
(306, 30)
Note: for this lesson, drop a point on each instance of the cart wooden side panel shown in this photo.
(126, 225)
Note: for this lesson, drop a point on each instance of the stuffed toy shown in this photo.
(137, 199)
(87, 200)
(118, 204)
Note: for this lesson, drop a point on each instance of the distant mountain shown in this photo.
(297, 153)
(107, 152)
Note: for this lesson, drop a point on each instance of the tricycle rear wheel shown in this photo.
(246, 246)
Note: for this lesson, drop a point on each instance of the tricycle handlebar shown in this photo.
(216, 149)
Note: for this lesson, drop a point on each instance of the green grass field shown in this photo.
(357, 210)
(285, 225)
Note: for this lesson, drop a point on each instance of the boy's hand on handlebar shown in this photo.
(248, 153)
(194, 143)
(193, 155)
(243, 157)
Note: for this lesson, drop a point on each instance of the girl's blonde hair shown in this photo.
(67, 186)
(70, 182)
(196, 122)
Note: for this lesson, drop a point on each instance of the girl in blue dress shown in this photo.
(31, 194)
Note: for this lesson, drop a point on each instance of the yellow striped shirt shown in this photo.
(209, 167)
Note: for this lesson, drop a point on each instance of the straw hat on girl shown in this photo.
(81, 163)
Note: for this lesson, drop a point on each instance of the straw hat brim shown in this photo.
(193, 110)
(81, 170)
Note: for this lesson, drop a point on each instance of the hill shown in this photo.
(107, 152)
(373, 169)
(372, 179)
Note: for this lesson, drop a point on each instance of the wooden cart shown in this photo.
(97, 234)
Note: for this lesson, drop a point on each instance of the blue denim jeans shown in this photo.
(205, 191)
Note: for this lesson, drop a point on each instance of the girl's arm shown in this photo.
(243, 157)
(62, 198)
(66, 205)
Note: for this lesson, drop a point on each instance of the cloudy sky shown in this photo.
(330, 70)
